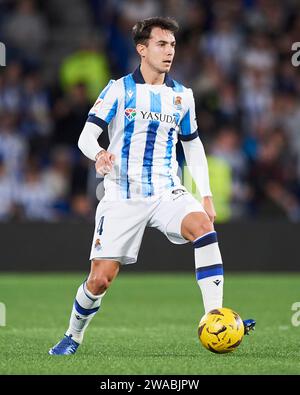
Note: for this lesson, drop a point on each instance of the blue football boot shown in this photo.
(66, 346)
(249, 325)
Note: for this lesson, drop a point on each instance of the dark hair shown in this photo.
(141, 31)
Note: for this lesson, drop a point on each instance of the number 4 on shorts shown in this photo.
(100, 226)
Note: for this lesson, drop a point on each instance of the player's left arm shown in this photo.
(197, 165)
(195, 157)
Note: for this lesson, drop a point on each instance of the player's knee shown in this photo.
(207, 226)
(101, 276)
(98, 284)
(201, 228)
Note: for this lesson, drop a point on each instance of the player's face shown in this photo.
(160, 51)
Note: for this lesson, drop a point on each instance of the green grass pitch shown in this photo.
(147, 325)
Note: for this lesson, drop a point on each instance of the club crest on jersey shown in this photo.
(97, 245)
(130, 113)
(177, 102)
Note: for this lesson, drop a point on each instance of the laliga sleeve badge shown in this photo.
(97, 105)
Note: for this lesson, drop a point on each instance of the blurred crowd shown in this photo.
(235, 55)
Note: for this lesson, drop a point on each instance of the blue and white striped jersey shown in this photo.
(144, 123)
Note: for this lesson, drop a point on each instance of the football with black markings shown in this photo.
(221, 330)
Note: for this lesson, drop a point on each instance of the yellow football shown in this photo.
(221, 330)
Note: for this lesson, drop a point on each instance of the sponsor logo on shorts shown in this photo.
(178, 192)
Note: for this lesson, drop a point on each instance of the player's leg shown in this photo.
(198, 229)
(182, 218)
(86, 304)
(117, 237)
(89, 296)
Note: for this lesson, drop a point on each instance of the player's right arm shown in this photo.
(99, 117)
(88, 144)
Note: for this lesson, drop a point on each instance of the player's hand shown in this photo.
(104, 162)
(208, 205)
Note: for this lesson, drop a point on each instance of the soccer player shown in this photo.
(145, 114)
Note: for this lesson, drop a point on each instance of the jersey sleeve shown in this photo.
(105, 107)
(188, 129)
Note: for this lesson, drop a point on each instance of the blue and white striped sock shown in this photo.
(84, 309)
(209, 270)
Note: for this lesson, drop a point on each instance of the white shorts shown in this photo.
(120, 225)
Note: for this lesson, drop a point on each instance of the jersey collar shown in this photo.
(139, 79)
